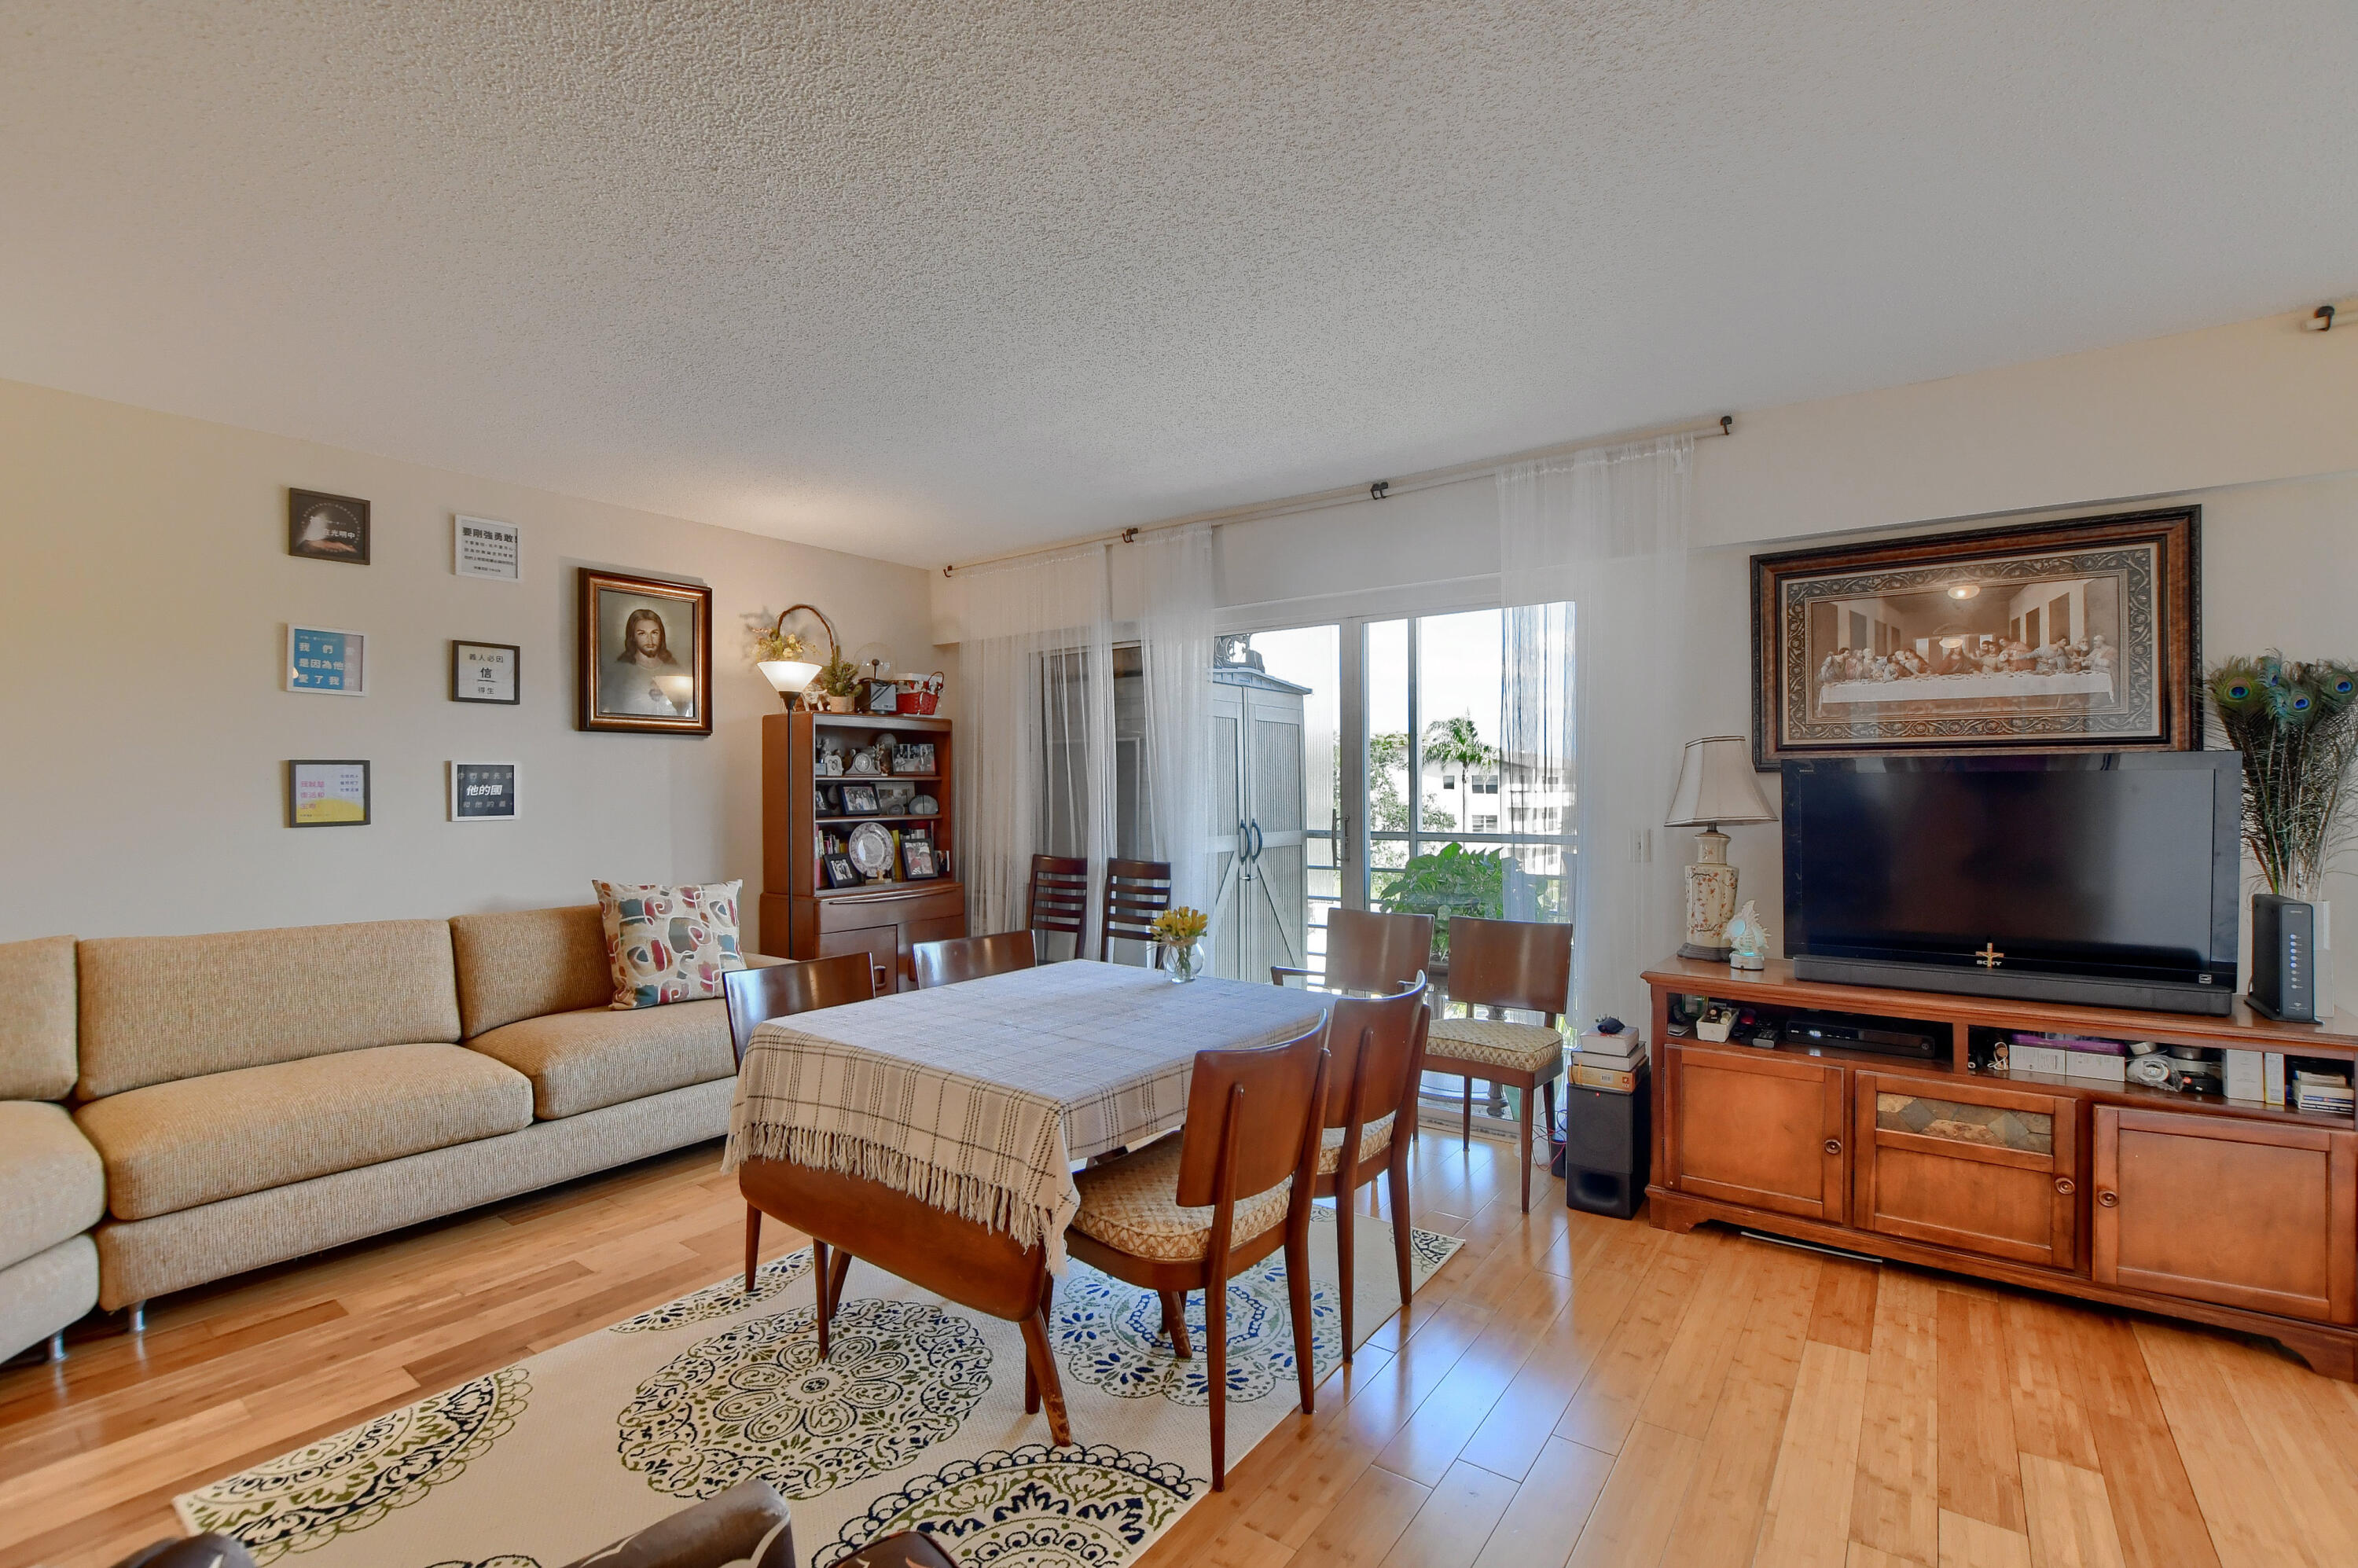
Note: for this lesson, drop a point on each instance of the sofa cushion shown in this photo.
(172, 1146)
(525, 962)
(37, 1019)
(159, 1008)
(581, 1060)
(51, 1184)
(668, 945)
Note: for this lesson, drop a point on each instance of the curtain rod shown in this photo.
(1344, 495)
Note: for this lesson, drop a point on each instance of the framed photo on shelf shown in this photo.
(913, 757)
(839, 871)
(917, 857)
(326, 660)
(483, 792)
(646, 655)
(2083, 635)
(323, 527)
(327, 793)
(859, 800)
(484, 672)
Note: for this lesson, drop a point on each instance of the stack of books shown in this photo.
(2326, 1092)
(1609, 1062)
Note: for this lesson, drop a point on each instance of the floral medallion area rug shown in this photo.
(915, 1421)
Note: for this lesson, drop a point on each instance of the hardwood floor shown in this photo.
(1567, 1389)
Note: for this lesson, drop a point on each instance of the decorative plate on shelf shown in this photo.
(871, 849)
(923, 806)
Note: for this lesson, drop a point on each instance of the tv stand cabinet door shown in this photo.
(2248, 1214)
(1756, 1128)
(1961, 1165)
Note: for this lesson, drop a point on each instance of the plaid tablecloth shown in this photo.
(978, 1097)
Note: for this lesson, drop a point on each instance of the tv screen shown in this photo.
(2123, 865)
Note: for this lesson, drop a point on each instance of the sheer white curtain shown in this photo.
(1035, 750)
(1605, 530)
(1174, 631)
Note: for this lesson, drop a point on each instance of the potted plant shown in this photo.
(2297, 726)
(839, 679)
(1453, 879)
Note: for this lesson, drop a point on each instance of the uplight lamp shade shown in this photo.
(1716, 785)
(788, 676)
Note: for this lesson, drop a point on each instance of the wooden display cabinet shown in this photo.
(2225, 1212)
(801, 916)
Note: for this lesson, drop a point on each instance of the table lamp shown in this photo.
(1716, 785)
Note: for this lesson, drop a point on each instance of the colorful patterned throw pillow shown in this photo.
(669, 944)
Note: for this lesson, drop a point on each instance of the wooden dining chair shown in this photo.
(756, 996)
(1136, 891)
(1370, 951)
(1375, 1047)
(1498, 964)
(1193, 1210)
(955, 958)
(1058, 898)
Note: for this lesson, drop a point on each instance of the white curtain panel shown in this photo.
(1607, 530)
(1036, 749)
(1174, 629)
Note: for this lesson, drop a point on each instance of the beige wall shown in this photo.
(144, 584)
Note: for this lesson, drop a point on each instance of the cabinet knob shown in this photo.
(2110, 1200)
(2063, 1185)
(1833, 1146)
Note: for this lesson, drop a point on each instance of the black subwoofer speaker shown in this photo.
(1608, 1149)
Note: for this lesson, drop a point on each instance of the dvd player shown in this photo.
(1849, 1032)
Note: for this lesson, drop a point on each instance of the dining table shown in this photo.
(935, 1133)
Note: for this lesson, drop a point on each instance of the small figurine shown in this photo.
(1747, 940)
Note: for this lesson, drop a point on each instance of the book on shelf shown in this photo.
(1618, 1080)
(2327, 1092)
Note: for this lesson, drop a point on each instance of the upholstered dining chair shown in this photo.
(955, 958)
(1191, 1210)
(1499, 964)
(1370, 951)
(756, 996)
(1375, 1047)
(1136, 891)
(1057, 902)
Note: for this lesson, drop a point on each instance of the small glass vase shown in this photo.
(1182, 963)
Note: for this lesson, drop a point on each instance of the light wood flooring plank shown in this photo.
(1719, 1526)
(2071, 1515)
(1895, 1505)
(2244, 1504)
(1544, 1519)
(1979, 1468)
(1969, 1542)
(1601, 1414)
(1631, 1523)
(2153, 1502)
(1807, 1522)
(1450, 1529)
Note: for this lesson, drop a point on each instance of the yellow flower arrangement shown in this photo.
(1180, 927)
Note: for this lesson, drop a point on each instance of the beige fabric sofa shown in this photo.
(53, 1189)
(260, 1095)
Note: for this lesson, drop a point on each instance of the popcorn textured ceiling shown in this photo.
(931, 280)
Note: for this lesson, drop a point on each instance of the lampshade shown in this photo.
(788, 676)
(1716, 785)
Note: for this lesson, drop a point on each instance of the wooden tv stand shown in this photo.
(2224, 1212)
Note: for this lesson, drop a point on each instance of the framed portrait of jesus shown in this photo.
(646, 657)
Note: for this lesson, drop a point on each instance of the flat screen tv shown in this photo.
(2112, 878)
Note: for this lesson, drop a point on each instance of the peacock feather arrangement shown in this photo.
(2297, 726)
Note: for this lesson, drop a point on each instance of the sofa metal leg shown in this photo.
(138, 1318)
(57, 1346)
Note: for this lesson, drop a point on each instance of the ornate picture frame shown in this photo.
(2083, 635)
(646, 655)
